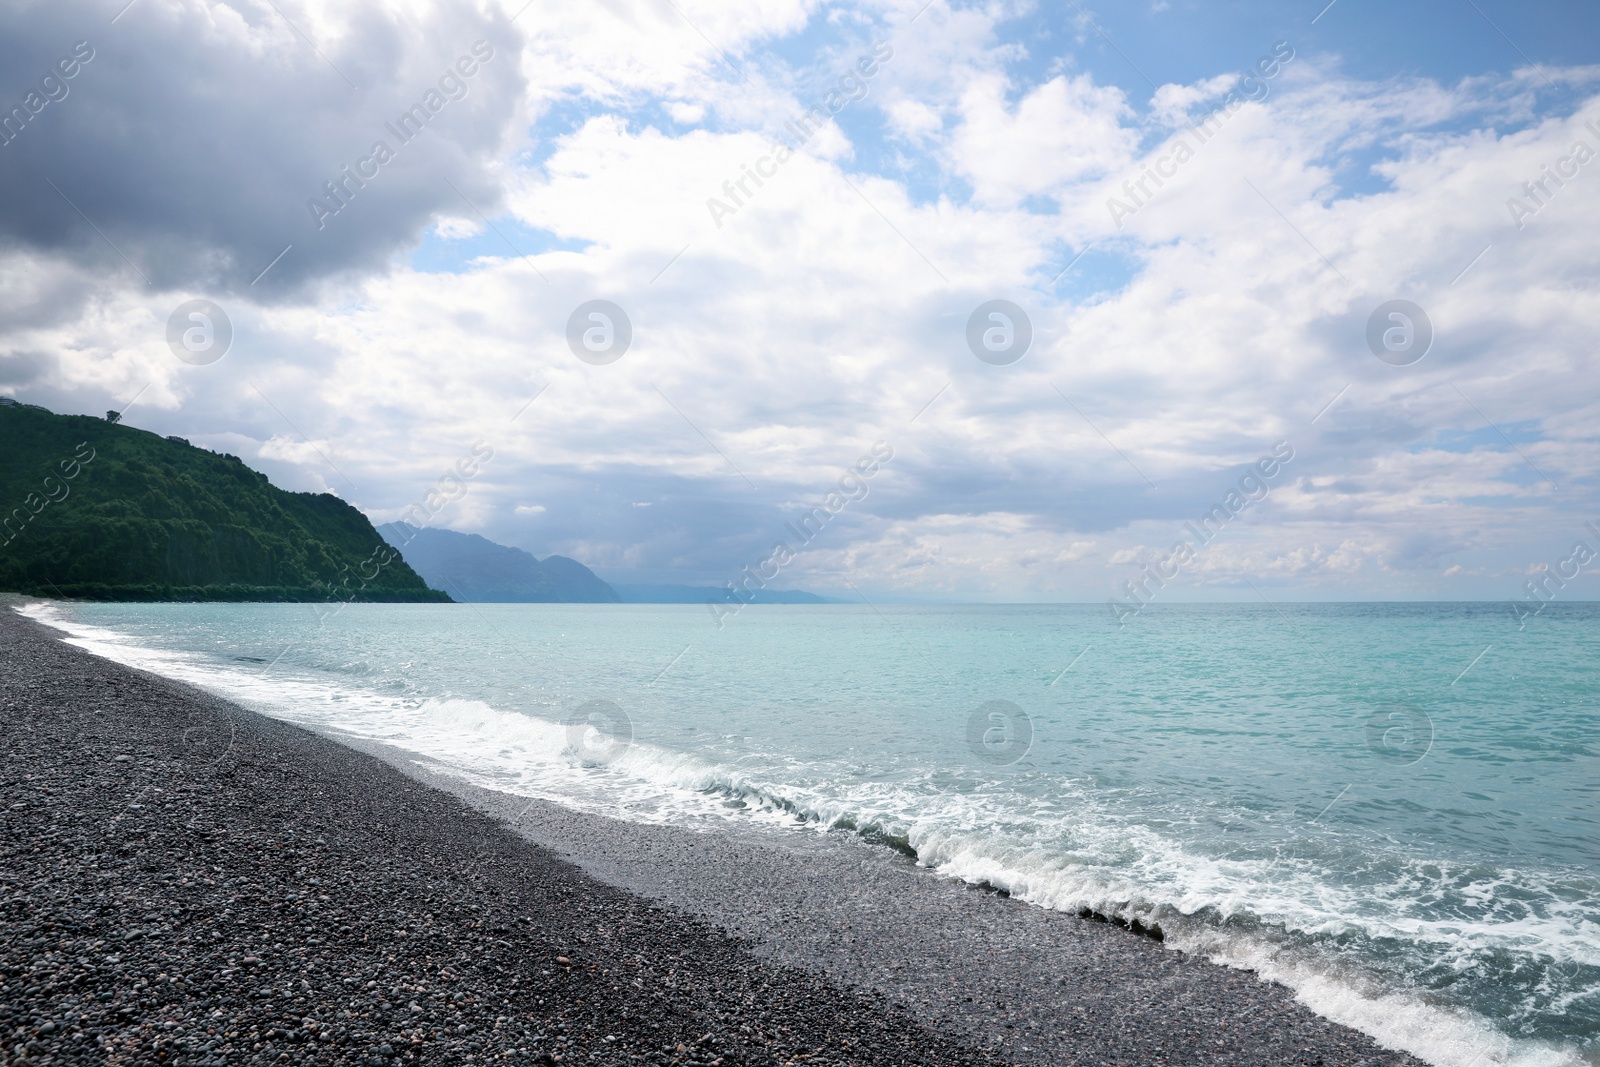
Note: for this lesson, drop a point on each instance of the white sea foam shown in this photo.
(1434, 1034)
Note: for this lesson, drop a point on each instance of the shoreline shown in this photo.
(780, 932)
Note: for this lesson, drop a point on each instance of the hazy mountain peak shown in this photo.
(472, 567)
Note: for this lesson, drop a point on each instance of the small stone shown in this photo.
(563, 961)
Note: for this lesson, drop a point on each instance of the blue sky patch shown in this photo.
(506, 237)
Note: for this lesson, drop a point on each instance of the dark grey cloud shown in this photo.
(20, 368)
(191, 135)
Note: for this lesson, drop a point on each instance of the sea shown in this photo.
(1393, 809)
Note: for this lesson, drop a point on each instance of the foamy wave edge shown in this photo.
(1437, 1035)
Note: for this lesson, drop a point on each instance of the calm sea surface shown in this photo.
(1394, 809)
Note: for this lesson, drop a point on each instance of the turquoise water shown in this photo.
(1391, 808)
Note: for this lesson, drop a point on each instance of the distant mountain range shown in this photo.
(474, 568)
(107, 512)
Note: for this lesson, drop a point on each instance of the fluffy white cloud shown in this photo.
(1066, 130)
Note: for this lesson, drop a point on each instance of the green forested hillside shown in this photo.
(108, 512)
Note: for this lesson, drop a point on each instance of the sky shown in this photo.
(1033, 289)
